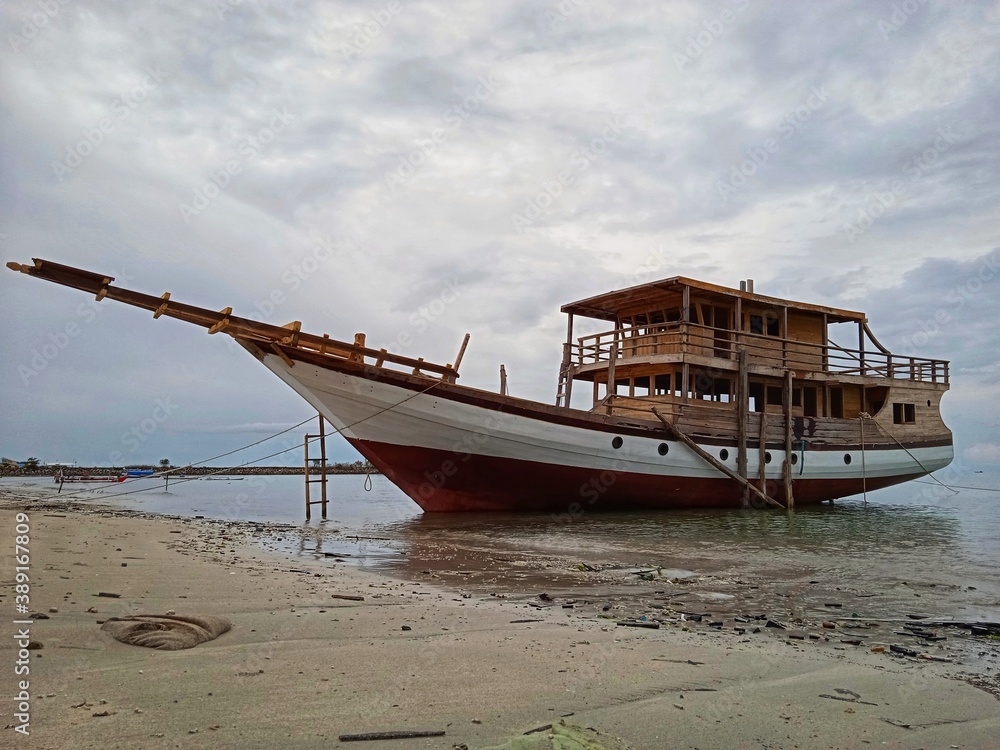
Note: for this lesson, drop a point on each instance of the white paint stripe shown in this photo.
(429, 421)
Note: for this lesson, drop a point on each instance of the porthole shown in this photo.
(767, 457)
(724, 454)
(663, 449)
(847, 458)
(928, 402)
(795, 459)
(617, 443)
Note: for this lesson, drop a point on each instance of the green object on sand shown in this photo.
(563, 736)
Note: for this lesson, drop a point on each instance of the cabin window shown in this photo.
(641, 386)
(837, 403)
(708, 388)
(673, 314)
(765, 325)
(621, 387)
(662, 385)
(756, 397)
(774, 395)
(796, 397)
(904, 414)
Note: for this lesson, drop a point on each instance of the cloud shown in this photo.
(983, 453)
(362, 90)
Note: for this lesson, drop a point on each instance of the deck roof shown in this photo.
(607, 306)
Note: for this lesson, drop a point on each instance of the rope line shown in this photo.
(337, 430)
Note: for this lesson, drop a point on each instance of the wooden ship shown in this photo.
(696, 396)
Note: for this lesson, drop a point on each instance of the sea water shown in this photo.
(916, 537)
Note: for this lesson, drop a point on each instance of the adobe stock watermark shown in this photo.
(370, 30)
(59, 340)
(138, 434)
(225, 7)
(293, 277)
(121, 109)
(879, 202)
(34, 21)
(789, 124)
(453, 119)
(249, 148)
(562, 12)
(956, 298)
(901, 13)
(710, 30)
(425, 316)
(580, 161)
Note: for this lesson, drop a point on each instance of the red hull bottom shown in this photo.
(443, 481)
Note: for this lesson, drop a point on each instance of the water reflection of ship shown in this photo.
(830, 535)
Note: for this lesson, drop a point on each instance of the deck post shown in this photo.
(708, 457)
(784, 336)
(612, 390)
(461, 355)
(503, 380)
(742, 407)
(861, 348)
(787, 399)
(762, 450)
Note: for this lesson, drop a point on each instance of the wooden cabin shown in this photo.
(678, 344)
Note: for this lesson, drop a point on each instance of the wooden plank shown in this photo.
(461, 352)
(237, 327)
(709, 458)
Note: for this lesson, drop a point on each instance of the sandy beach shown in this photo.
(301, 666)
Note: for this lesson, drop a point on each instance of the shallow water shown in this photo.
(917, 546)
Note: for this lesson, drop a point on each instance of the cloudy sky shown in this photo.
(418, 170)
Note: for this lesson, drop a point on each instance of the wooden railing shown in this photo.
(279, 339)
(781, 353)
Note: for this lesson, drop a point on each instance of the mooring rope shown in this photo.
(337, 430)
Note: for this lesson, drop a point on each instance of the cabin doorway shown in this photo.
(723, 338)
(809, 402)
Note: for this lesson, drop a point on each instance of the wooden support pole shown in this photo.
(787, 402)
(503, 380)
(612, 389)
(305, 447)
(322, 461)
(762, 450)
(708, 457)
(742, 416)
(461, 354)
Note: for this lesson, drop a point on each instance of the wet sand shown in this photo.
(433, 649)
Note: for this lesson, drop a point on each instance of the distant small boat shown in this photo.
(225, 479)
(60, 478)
(140, 472)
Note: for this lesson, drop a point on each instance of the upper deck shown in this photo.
(680, 320)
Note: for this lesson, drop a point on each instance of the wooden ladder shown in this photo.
(322, 471)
